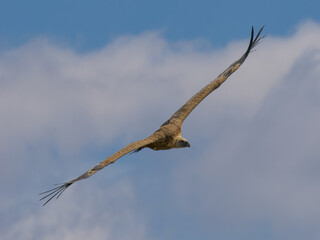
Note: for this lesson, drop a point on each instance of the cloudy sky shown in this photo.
(79, 80)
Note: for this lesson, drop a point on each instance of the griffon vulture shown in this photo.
(169, 134)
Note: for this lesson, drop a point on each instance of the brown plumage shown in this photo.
(169, 134)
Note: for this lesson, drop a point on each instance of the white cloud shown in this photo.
(255, 170)
(265, 170)
(105, 217)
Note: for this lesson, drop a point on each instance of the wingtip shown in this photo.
(54, 192)
(254, 40)
(261, 29)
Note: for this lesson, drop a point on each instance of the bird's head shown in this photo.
(182, 143)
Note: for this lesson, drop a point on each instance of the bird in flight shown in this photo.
(169, 134)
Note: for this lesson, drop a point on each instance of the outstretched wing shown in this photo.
(57, 191)
(187, 108)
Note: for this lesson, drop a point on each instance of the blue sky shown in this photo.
(80, 80)
(84, 25)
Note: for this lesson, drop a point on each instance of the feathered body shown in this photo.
(168, 136)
